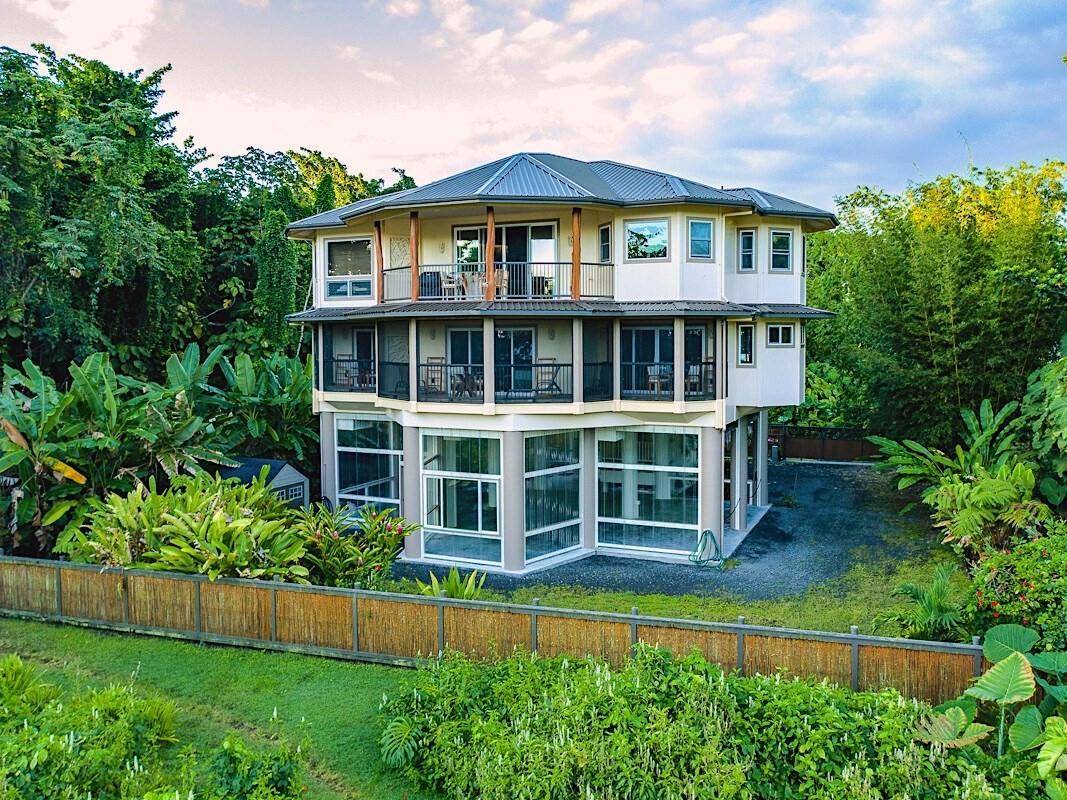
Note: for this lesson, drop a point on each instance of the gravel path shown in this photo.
(832, 516)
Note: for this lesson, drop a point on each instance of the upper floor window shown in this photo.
(779, 335)
(604, 243)
(746, 345)
(781, 251)
(701, 239)
(646, 240)
(746, 250)
(348, 268)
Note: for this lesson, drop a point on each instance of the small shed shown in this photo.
(288, 483)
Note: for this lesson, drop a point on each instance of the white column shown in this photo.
(739, 477)
(616, 358)
(679, 359)
(413, 359)
(589, 488)
(577, 360)
(328, 455)
(762, 476)
(711, 482)
(489, 358)
(629, 477)
(411, 498)
(512, 501)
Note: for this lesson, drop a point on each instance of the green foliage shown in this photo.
(238, 771)
(1044, 412)
(932, 612)
(276, 277)
(831, 398)
(351, 549)
(661, 726)
(453, 585)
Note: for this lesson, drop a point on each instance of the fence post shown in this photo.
(440, 627)
(633, 628)
(976, 641)
(198, 618)
(355, 618)
(741, 647)
(126, 599)
(533, 625)
(59, 592)
(274, 613)
(854, 630)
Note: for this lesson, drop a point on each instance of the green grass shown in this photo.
(218, 689)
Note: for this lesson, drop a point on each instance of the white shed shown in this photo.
(288, 483)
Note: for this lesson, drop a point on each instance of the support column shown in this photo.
(490, 253)
(576, 253)
(328, 455)
(379, 261)
(413, 360)
(489, 359)
(679, 359)
(413, 247)
(629, 478)
(739, 477)
(577, 360)
(711, 483)
(616, 359)
(589, 487)
(411, 502)
(512, 501)
(763, 493)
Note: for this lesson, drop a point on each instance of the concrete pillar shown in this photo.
(679, 359)
(629, 476)
(413, 358)
(762, 477)
(711, 482)
(489, 358)
(411, 491)
(616, 358)
(739, 477)
(577, 360)
(328, 455)
(589, 487)
(513, 500)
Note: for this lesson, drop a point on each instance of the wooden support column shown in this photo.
(490, 253)
(379, 260)
(576, 253)
(414, 248)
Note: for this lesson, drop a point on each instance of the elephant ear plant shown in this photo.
(1008, 686)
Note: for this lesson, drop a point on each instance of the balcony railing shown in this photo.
(534, 383)
(393, 380)
(451, 383)
(349, 375)
(647, 380)
(513, 280)
(700, 380)
(596, 381)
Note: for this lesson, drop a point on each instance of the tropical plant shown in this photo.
(454, 585)
(346, 548)
(932, 612)
(1044, 413)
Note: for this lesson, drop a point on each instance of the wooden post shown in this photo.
(490, 253)
(413, 242)
(533, 625)
(741, 647)
(576, 253)
(379, 260)
(855, 666)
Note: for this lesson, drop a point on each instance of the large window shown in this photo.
(648, 489)
(746, 250)
(781, 251)
(348, 268)
(461, 518)
(746, 345)
(647, 240)
(701, 239)
(369, 459)
(553, 493)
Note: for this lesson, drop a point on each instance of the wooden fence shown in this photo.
(824, 444)
(405, 629)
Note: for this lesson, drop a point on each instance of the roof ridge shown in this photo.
(556, 174)
(508, 164)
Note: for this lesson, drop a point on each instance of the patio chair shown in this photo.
(694, 379)
(501, 283)
(548, 377)
(659, 378)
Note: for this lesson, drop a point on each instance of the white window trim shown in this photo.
(578, 467)
(338, 495)
(625, 250)
(738, 360)
(780, 326)
(611, 244)
(327, 279)
(740, 239)
(770, 246)
(708, 259)
(502, 244)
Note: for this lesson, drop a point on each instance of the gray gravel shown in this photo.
(825, 518)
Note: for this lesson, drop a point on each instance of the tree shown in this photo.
(276, 278)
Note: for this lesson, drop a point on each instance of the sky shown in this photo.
(807, 98)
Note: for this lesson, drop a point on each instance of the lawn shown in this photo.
(218, 689)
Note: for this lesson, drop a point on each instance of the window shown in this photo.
(746, 250)
(292, 494)
(746, 345)
(647, 489)
(348, 268)
(605, 243)
(779, 335)
(462, 496)
(646, 240)
(702, 239)
(553, 493)
(369, 460)
(781, 251)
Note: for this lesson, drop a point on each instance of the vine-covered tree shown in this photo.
(276, 278)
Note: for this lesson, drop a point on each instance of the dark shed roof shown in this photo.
(249, 468)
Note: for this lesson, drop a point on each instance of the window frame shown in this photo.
(366, 499)
(578, 467)
(741, 233)
(752, 361)
(708, 259)
(626, 223)
(770, 243)
(779, 327)
(348, 280)
(601, 243)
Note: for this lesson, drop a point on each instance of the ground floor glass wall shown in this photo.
(553, 484)
(648, 489)
(369, 456)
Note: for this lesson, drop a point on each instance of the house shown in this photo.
(541, 357)
(288, 483)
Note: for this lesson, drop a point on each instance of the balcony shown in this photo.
(513, 280)
(596, 381)
(442, 382)
(700, 380)
(646, 380)
(546, 382)
(349, 375)
(393, 380)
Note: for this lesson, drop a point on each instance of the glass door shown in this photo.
(514, 356)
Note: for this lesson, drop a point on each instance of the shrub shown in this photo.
(661, 726)
(1027, 585)
(453, 585)
(345, 548)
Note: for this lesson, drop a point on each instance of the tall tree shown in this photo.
(276, 278)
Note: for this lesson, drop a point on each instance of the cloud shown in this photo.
(403, 8)
(254, 3)
(378, 77)
(347, 52)
(111, 31)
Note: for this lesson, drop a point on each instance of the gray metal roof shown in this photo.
(551, 308)
(545, 177)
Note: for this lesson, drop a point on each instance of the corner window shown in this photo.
(646, 240)
(746, 250)
(746, 345)
(348, 268)
(779, 336)
(781, 251)
(702, 239)
(604, 242)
